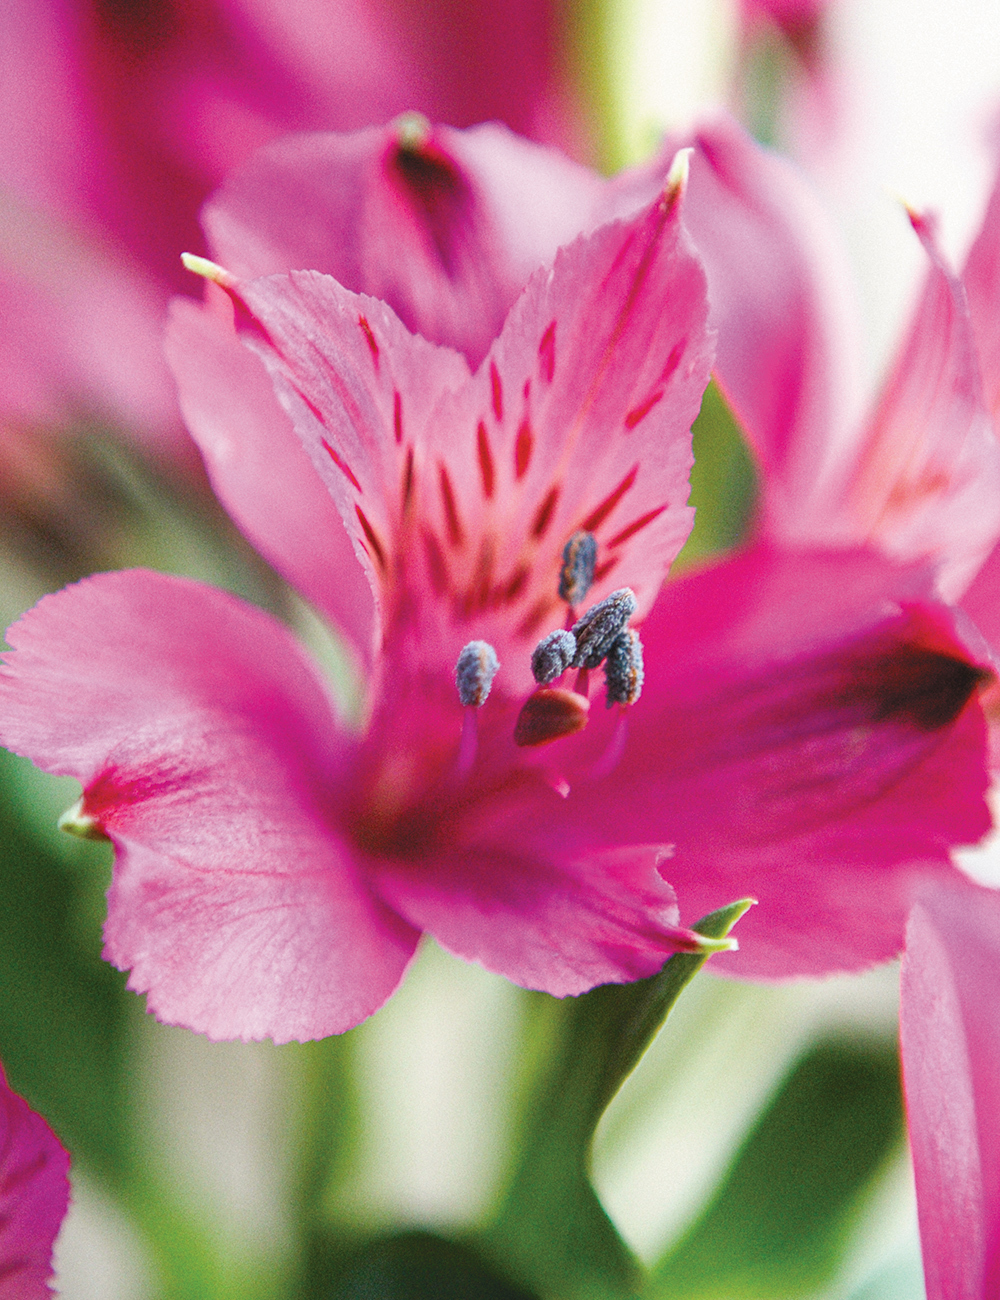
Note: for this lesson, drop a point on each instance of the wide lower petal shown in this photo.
(34, 1196)
(261, 472)
(808, 735)
(558, 923)
(950, 1031)
(210, 756)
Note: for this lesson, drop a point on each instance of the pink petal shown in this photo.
(34, 1197)
(557, 923)
(261, 472)
(787, 351)
(210, 756)
(951, 1067)
(981, 278)
(803, 737)
(927, 481)
(434, 227)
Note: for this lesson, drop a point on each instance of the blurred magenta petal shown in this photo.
(981, 279)
(210, 755)
(34, 1197)
(430, 220)
(951, 1050)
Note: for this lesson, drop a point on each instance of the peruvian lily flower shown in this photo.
(919, 480)
(34, 1196)
(798, 716)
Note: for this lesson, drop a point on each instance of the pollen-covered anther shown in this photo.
(477, 666)
(552, 656)
(623, 668)
(596, 632)
(549, 715)
(577, 573)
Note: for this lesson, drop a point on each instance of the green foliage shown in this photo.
(552, 1232)
(778, 1223)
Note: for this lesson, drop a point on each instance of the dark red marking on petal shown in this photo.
(547, 353)
(602, 570)
(437, 566)
(485, 459)
(370, 339)
(549, 714)
(673, 361)
(456, 534)
(515, 585)
(407, 493)
(497, 390)
(527, 389)
(523, 447)
(637, 525)
(477, 595)
(397, 416)
(439, 194)
(535, 617)
(639, 413)
(341, 464)
(914, 684)
(598, 515)
(377, 550)
(545, 512)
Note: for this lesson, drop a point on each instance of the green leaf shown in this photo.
(415, 1266)
(780, 1221)
(551, 1231)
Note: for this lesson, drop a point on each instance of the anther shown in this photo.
(477, 666)
(596, 631)
(548, 715)
(623, 668)
(552, 656)
(577, 573)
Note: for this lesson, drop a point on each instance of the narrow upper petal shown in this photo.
(34, 1197)
(808, 735)
(209, 754)
(261, 472)
(559, 923)
(981, 278)
(950, 1032)
(779, 291)
(926, 482)
(430, 220)
(462, 493)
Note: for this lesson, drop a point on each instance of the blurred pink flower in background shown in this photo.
(34, 1196)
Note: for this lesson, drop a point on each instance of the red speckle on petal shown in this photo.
(549, 714)
(407, 493)
(341, 464)
(455, 534)
(602, 570)
(497, 391)
(547, 353)
(673, 361)
(545, 512)
(637, 525)
(535, 617)
(397, 416)
(436, 563)
(366, 329)
(377, 551)
(523, 446)
(598, 515)
(485, 459)
(640, 412)
(515, 585)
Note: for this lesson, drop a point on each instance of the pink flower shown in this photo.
(918, 479)
(34, 1195)
(274, 868)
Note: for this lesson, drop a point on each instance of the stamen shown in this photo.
(477, 666)
(577, 573)
(623, 668)
(549, 714)
(552, 656)
(596, 631)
